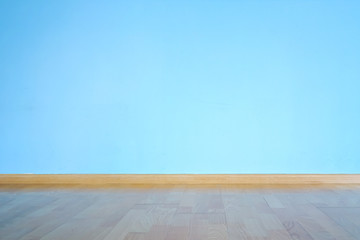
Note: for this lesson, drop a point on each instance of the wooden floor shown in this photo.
(180, 213)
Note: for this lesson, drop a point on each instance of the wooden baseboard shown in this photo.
(178, 179)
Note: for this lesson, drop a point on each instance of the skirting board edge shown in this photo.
(179, 179)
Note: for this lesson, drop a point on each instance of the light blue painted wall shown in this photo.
(179, 86)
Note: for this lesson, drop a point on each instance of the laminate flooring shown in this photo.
(176, 213)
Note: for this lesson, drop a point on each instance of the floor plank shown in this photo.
(180, 214)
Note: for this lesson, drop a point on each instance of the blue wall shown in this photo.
(179, 86)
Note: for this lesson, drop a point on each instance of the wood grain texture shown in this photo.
(180, 214)
(113, 180)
